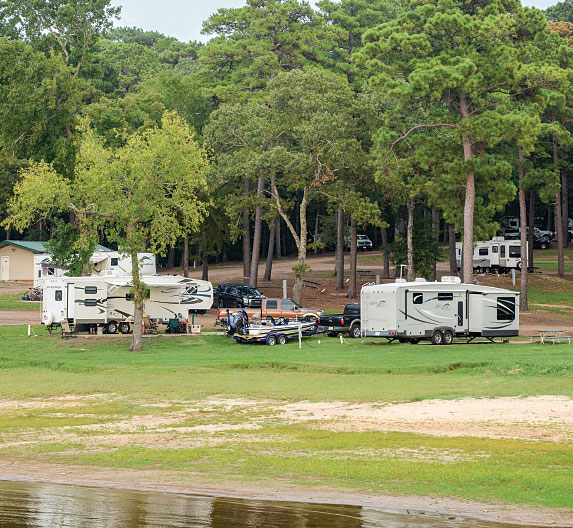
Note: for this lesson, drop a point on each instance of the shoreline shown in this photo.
(174, 482)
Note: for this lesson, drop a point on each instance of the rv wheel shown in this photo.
(111, 327)
(124, 328)
(282, 339)
(437, 338)
(482, 270)
(271, 340)
(355, 331)
(448, 338)
(519, 265)
(414, 341)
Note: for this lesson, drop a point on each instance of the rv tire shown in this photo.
(414, 341)
(111, 327)
(437, 338)
(355, 331)
(447, 338)
(272, 340)
(124, 328)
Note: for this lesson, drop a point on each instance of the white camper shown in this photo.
(106, 263)
(108, 302)
(439, 311)
(493, 256)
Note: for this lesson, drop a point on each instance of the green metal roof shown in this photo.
(37, 247)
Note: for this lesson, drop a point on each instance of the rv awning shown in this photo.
(96, 260)
(159, 280)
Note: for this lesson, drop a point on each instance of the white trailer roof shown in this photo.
(434, 286)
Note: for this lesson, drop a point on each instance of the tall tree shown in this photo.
(469, 57)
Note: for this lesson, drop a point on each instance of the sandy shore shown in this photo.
(162, 481)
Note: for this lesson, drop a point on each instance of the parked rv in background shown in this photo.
(493, 256)
(104, 263)
(438, 311)
(107, 301)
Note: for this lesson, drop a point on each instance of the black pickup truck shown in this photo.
(349, 321)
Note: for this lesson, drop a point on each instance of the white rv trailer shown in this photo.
(495, 255)
(439, 311)
(108, 301)
(104, 263)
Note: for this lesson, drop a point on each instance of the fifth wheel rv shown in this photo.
(493, 256)
(438, 311)
(107, 302)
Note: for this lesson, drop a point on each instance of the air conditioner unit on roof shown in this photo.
(451, 279)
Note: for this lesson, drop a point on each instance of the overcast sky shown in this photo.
(183, 18)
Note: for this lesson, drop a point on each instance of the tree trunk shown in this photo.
(558, 221)
(469, 203)
(316, 221)
(185, 262)
(270, 251)
(225, 258)
(385, 256)
(565, 206)
(137, 338)
(205, 267)
(171, 258)
(411, 275)
(254, 275)
(353, 259)
(246, 235)
(436, 231)
(375, 238)
(278, 237)
(452, 247)
(531, 225)
(523, 306)
(301, 264)
(339, 255)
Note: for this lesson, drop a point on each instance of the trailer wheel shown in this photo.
(447, 338)
(111, 327)
(272, 340)
(414, 341)
(355, 331)
(519, 265)
(482, 270)
(124, 328)
(282, 339)
(437, 338)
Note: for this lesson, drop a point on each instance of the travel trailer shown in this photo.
(108, 301)
(105, 263)
(493, 256)
(438, 311)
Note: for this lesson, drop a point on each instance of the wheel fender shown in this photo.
(444, 328)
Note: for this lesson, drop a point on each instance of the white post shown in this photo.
(28, 330)
(377, 279)
(284, 288)
(513, 276)
(299, 335)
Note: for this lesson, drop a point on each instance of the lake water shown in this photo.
(37, 505)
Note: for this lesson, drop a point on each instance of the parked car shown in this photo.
(540, 240)
(237, 296)
(277, 310)
(347, 322)
(363, 243)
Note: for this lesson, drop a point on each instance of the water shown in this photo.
(38, 505)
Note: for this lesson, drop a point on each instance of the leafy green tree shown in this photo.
(145, 194)
(560, 12)
(471, 58)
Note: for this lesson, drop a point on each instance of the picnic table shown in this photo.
(552, 335)
(364, 273)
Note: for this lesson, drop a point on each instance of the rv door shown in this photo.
(70, 301)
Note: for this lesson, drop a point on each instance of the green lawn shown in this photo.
(172, 374)
(13, 301)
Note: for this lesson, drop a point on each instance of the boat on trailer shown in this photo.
(268, 332)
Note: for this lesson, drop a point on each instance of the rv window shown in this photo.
(271, 305)
(39, 273)
(90, 302)
(505, 308)
(502, 252)
(51, 271)
(114, 261)
(129, 296)
(445, 296)
(494, 249)
(514, 251)
(58, 295)
(91, 290)
(191, 290)
(483, 251)
(418, 298)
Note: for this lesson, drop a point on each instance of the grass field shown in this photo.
(13, 301)
(111, 386)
